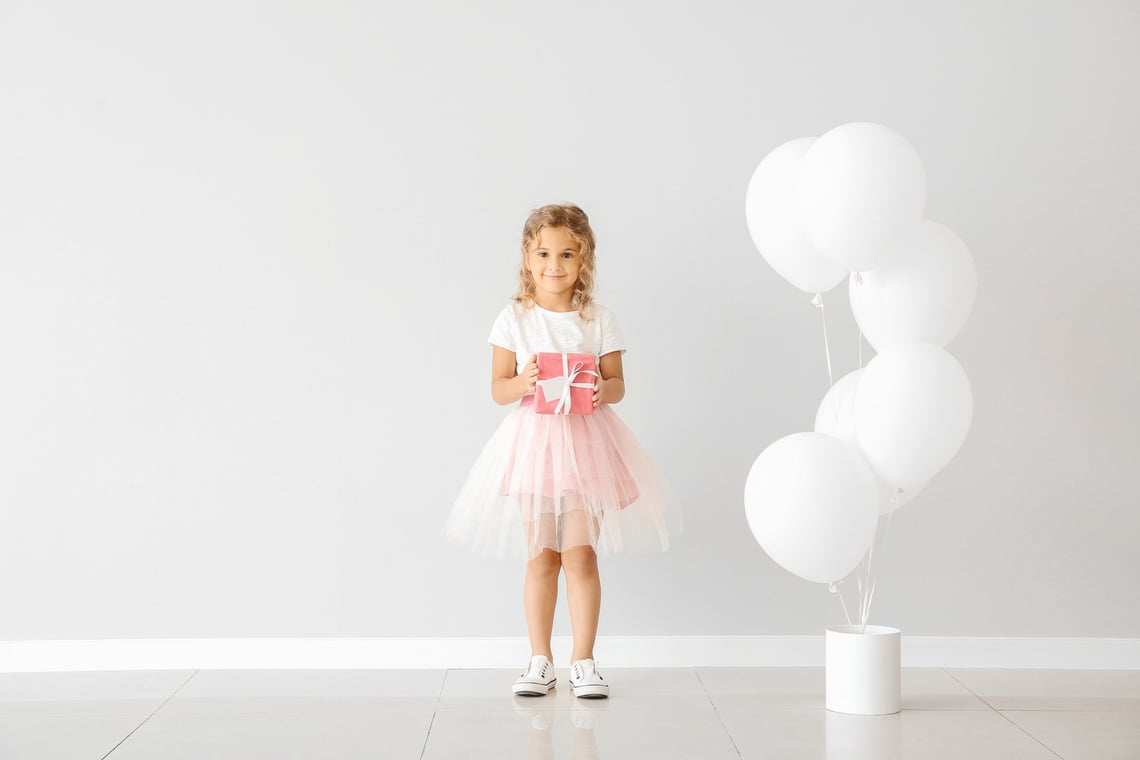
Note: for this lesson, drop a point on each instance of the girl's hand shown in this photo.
(529, 375)
(610, 387)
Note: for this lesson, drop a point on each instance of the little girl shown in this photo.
(561, 486)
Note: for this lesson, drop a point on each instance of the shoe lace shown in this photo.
(580, 673)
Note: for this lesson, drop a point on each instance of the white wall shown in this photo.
(250, 254)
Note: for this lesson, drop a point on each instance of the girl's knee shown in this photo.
(580, 560)
(547, 563)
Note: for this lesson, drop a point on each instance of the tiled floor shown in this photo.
(706, 713)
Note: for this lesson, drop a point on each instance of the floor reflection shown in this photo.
(540, 715)
(862, 737)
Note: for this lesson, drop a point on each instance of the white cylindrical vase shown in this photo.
(863, 669)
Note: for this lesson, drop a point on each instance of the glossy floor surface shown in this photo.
(659, 713)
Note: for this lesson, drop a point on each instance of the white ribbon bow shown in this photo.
(559, 387)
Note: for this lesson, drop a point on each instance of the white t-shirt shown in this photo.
(527, 331)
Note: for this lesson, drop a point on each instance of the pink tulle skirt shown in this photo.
(548, 481)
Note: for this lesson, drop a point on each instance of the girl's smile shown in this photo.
(554, 262)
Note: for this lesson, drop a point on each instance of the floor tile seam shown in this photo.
(776, 707)
(1048, 707)
(403, 713)
(985, 709)
(1004, 717)
(175, 694)
(442, 687)
(427, 736)
(435, 711)
(11, 716)
(1034, 709)
(1071, 710)
(145, 720)
(1031, 736)
(958, 681)
(716, 712)
(1025, 731)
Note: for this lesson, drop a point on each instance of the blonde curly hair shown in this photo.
(577, 225)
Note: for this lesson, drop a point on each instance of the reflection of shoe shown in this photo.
(585, 713)
(538, 680)
(582, 717)
(585, 681)
(540, 720)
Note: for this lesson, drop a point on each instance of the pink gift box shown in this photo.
(565, 383)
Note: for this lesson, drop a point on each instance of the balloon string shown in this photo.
(894, 505)
(858, 278)
(864, 603)
(866, 611)
(834, 588)
(818, 303)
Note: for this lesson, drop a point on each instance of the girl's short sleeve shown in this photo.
(611, 335)
(503, 332)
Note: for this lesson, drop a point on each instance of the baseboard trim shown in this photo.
(614, 651)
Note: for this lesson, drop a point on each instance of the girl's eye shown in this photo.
(567, 255)
(542, 254)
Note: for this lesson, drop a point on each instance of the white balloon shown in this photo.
(912, 410)
(773, 221)
(858, 185)
(924, 293)
(811, 503)
(836, 417)
(836, 413)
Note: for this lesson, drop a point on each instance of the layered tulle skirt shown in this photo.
(548, 481)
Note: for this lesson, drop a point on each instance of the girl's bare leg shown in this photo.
(584, 594)
(540, 592)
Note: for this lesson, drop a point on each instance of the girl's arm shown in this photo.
(507, 386)
(610, 387)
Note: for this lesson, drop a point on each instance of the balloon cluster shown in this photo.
(850, 204)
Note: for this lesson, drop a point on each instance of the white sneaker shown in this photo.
(538, 680)
(585, 681)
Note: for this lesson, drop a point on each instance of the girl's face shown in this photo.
(554, 261)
